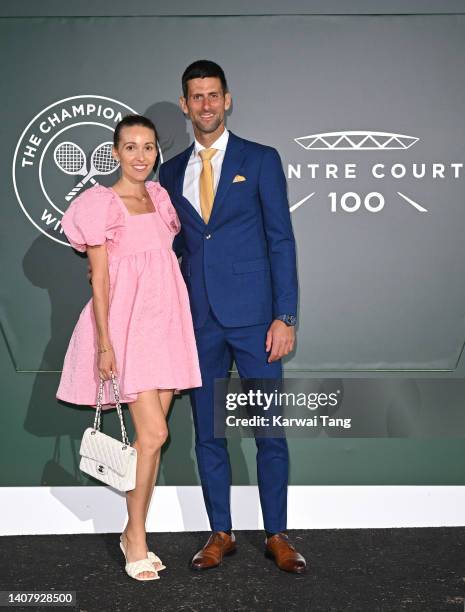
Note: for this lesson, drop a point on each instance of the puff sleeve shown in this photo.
(93, 218)
(165, 208)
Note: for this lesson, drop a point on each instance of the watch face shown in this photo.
(289, 319)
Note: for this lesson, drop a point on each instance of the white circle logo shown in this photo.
(62, 151)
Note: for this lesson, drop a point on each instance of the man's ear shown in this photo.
(227, 101)
(183, 105)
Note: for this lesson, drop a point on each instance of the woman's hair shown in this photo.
(129, 121)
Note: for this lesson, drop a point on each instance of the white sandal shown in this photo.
(150, 555)
(135, 568)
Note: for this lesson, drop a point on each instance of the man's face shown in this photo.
(206, 104)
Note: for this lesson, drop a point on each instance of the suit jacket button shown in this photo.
(208, 236)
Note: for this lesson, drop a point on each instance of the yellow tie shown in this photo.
(206, 183)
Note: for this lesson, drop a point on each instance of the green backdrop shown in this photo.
(382, 294)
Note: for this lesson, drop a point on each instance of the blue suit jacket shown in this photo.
(242, 263)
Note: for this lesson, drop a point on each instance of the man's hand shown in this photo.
(280, 340)
(89, 273)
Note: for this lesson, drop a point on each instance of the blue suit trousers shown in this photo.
(217, 346)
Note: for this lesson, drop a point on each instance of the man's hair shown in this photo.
(201, 69)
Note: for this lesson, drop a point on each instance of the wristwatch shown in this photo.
(289, 320)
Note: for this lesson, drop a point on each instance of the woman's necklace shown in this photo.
(140, 198)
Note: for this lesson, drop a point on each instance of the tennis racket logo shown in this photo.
(71, 159)
(64, 149)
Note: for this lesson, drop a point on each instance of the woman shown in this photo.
(138, 323)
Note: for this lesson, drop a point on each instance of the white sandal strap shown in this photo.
(143, 565)
(154, 559)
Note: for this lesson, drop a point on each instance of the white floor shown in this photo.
(99, 509)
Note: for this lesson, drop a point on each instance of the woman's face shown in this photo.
(136, 152)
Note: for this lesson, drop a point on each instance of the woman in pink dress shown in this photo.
(138, 323)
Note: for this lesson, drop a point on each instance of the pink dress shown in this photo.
(149, 320)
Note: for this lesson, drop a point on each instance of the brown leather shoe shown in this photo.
(218, 545)
(284, 554)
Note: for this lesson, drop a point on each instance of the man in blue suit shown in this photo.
(239, 264)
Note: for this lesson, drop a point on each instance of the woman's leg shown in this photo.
(151, 432)
(166, 398)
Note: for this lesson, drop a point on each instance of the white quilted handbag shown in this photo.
(109, 460)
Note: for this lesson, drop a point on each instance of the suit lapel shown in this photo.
(232, 161)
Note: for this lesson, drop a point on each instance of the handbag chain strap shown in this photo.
(98, 412)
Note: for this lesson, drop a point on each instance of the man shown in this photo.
(239, 264)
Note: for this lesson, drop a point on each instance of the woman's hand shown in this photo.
(107, 364)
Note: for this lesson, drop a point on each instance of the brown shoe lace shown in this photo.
(283, 537)
(216, 538)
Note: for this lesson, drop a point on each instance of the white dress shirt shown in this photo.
(191, 189)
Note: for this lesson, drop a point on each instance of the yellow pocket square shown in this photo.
(239, 178)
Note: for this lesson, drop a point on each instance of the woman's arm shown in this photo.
(98, 260)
